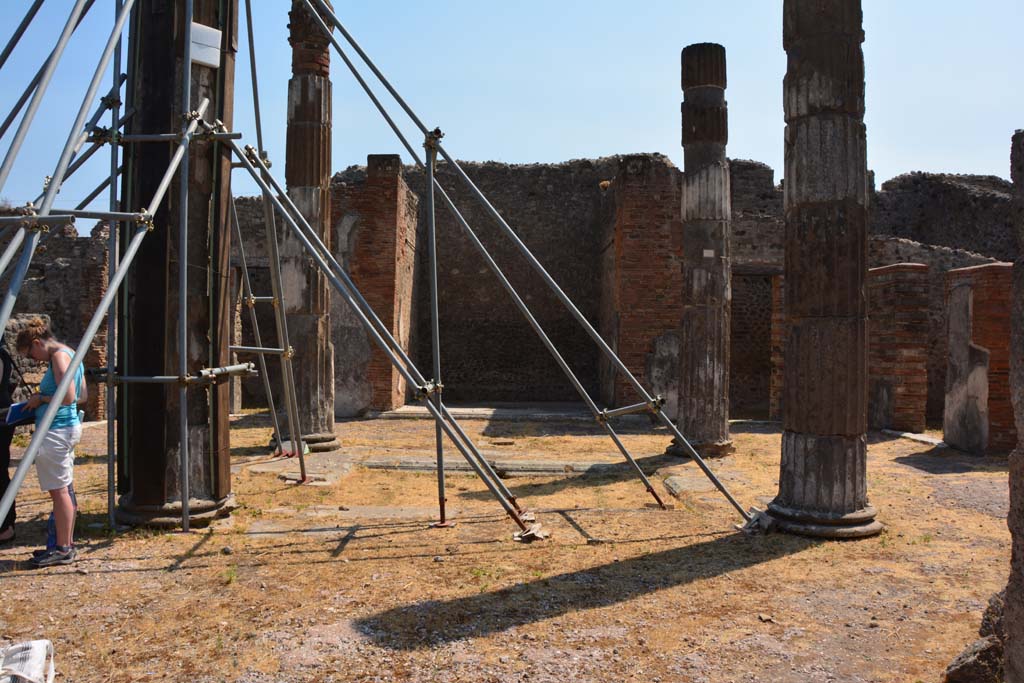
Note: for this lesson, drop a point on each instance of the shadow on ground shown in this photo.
(950, 461)
(427, 623)
(596, 475)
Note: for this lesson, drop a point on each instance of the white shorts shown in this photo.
(55, 459)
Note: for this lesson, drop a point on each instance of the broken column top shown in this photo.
(378, 165)
(310, 46)
(1017, 160)
(811, 19)
(703, 65)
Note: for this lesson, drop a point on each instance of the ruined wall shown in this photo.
(375, 233)
(883, 251)
(757, 224)
(886, 251)
(646, 277)
(488, 350)
(898, 347)
(751, 344)
(566, 213)
(958, 211)
(978, 414)
(66, 281)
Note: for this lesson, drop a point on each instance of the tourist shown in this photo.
(55, 458)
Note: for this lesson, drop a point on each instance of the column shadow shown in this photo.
(428, 623)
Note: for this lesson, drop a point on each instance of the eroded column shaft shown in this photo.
(703, 414)
(822, 482)
(307, 176)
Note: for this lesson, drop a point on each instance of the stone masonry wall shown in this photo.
(66, 281)
(979, 413)
(488, 350)
(898, 347)
(957, 211)
(750, 354)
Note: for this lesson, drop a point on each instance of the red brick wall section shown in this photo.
(992, 287)
(778, 341)
(898, 346)
(647, 282)
(382, 266)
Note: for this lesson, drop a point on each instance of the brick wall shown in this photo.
(898, 346)
(986, 290)
(646, 283)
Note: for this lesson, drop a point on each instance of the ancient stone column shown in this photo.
(1014, 614)
(148, 439)
(822, 484)
(703, 412)
(307, 176)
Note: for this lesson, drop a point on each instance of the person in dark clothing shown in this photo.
(7, 387)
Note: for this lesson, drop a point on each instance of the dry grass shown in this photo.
(343, 581)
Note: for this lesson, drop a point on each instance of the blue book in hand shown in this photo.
(18, 412)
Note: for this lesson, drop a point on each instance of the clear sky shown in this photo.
(548, 81)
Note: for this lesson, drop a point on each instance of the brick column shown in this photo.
(383, 253)
(978, 416)
(898, 347)
(307, 175)
(646, 276)
(1014, 611)
(822, 482)
(703, 415)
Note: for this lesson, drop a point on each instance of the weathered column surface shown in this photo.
(822, 483)
(307, 176)
(703, 412)
(148, 440)
(1014, 614)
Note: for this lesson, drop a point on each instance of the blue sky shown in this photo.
(548, 81)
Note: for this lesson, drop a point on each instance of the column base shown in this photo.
(858, 524)
(168, 515)
(322, 442)
(708, 450)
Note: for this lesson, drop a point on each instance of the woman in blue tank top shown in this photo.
(56, 456)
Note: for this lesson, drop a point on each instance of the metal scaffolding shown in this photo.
(255, 161)
(38, 218)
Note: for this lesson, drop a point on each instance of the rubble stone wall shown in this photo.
(65, 282)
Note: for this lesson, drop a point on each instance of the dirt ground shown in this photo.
(340, 580)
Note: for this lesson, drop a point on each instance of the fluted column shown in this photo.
(307, 176)
(703, 415)
(822, 483)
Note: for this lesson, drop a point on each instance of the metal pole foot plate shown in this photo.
(533, 533)
(447, 524)
(527, 516)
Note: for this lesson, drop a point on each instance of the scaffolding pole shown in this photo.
(250, 304)
(348, 292)
(276, 283)
(395, 351)
(18, 32)
(186, 106)
(131, 249)
(653, 402)
(53, 58)
(112, 265)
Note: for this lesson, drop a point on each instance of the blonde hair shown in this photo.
(35, 328)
